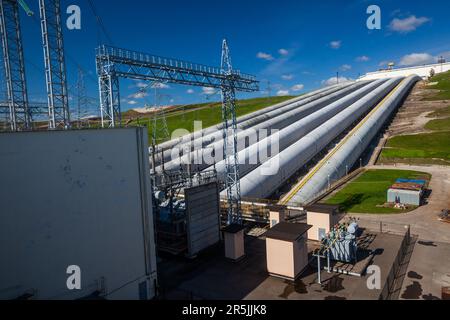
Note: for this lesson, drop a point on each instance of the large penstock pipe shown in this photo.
(213, 134)
(250, 158)
(267, 178)
(336, 165)
(170, 144)
(201, 153)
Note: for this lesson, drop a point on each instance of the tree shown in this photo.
(432, 73)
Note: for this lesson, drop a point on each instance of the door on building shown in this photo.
(322, 233)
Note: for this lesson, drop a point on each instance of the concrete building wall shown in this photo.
(280, 258)
(318, 221)
(406, 197)
(234, 245)
(421, 71)
(202, 211)
(76, 198)
(300, 255)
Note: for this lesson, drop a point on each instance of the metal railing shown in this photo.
(117, 53)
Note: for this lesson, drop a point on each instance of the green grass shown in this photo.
(210, 114)
(439, 125)
(443, 86)
(369, 191)
(434, 145)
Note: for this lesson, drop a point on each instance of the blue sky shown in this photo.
(296, 45)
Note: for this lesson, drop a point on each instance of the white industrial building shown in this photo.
(422, 71)
(76, 199)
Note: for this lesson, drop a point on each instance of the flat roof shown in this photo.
(407, 186)
(404, 191)
(287, 231)
(233, 228)
(323, 208)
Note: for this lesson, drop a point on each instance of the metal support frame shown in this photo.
(14, 68)
(55, 68)
(114, 63)
(230, 145)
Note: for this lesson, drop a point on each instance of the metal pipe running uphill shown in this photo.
(251, 157)
(347, 153)
(213, 134)
(258, 184)
(279, 122)
(207, 131)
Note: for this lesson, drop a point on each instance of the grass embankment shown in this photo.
(209, 114)
(428, 148)
(368, 193)
(443, 85)
(425, 148)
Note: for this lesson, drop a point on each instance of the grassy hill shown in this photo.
(443, 85)
(208, 113)
(425, 148)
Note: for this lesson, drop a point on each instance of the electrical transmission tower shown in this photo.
(230, 145)
(114, 63)
(82, 100)
(55, 67)
(19, 115)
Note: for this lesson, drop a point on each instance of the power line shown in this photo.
(100, 23)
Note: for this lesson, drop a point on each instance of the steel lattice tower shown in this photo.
(55, 68)
(114, 63)
(230, 145)
(14, 68)
(82, 100)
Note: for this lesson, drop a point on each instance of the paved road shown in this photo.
(428, 270)
(424, 221)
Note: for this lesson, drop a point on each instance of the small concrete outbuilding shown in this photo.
(406, 192)
(287, 251)
(322, 218)
(234, 242)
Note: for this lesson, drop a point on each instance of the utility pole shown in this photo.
(81, 97)
(19, 115)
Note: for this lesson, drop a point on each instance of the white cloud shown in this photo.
(287, 77)
(283, 52)
(142, 85)
(345, 67)
(138, 95)
(362, 59)
(264, 56)
(282, 93)
(333, 81)
(190, 91)
(298, 87)
(336, 44)
(415, 59)
(159, 85)
(132, 102)
(208, 91)
(408, 24)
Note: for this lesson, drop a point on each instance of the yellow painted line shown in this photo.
(305, 180)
